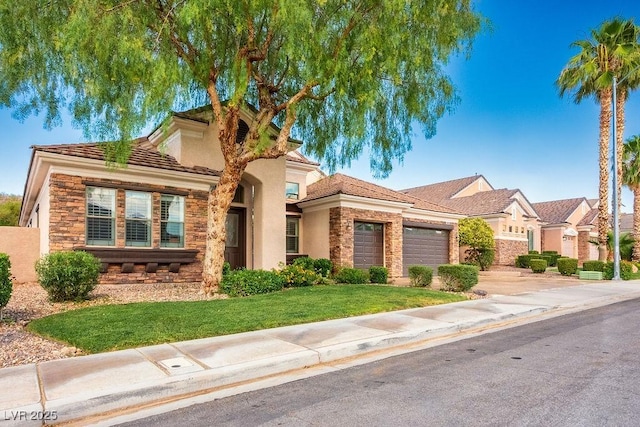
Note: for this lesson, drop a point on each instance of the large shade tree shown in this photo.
(612, 51)
(345, 76)
(631, 178)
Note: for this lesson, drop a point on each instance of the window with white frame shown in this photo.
(292, 190)
(293, 235)
(101, 216)
(171, 221)
(137, 219)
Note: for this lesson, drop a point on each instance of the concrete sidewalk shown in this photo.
(72, 389)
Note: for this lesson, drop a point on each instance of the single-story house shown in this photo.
(515, 222)
(146, 222)
(569, 226)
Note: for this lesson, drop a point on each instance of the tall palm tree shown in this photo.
(613, 50)
(631, 178)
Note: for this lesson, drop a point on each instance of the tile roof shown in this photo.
(483, 202)
(441, 190)
(344, 184)
(139, 157)
(557, 211)
(590, 218)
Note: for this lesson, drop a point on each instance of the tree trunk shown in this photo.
(218, 205)
(636, 224)
(603, 191)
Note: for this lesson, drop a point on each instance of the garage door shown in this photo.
(424, 246)
(368, 245)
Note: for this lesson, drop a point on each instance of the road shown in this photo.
(576, 370)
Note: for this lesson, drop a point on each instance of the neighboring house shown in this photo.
(569, 226)
(147, 221)
(514, 221)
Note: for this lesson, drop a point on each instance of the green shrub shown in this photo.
(323, 266)
(567, 266)
(242, 283)
(305, 262)
(68, 275)
(458, 277)
(551, 257)
(482, 258)
(420, 275)
(538, 265)
(378, 274)
(523, 261)
(296, 276)
(593, 265)
(626, 270)
(549, 252)
(351, 276)
(6, 287)
(533, 252)
(226, 268)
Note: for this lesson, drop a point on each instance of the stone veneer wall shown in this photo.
(67, 227)
(508, 250)
(341, 228)
(584, 249)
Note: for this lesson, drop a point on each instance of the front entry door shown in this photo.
(235, 249)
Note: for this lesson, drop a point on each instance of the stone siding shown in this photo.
(67, 227)
(508, 250)
(584, 247)
(341, 228)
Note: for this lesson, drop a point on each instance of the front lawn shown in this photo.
(115, 327)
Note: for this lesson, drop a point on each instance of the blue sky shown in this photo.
(511, 125)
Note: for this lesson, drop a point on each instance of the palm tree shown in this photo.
(612, 51)
(631, 178)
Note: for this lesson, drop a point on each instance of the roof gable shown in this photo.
(446, 190)
(558, 211)
(485, 202)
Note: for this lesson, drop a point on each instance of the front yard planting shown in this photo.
(115, 327)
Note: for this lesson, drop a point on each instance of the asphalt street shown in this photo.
(581, 369)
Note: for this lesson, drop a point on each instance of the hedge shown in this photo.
(567, 266)
(378, 274)
(593, 265)
(420, 275)
(538, 265)
(626, 270)
(6, 286)
(242, 283)
(352, 276)
(68, 275)
(458, 277)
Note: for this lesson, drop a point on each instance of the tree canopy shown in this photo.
(475, 233)
(365, 69)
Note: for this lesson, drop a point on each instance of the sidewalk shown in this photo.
(71, 389)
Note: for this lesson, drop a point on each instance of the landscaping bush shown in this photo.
(305, 262)
(567, 266)
(626, 270)
(6, 287)
(420, 275)
(538, 265)
(351, 276)
(482, 258)
(378, 274)
(242, 283)
(226, 268)
(68, 275)
(533, 252)
(323, 266)
(593, 265)
(296, 276)
(552, 257)
(458, 277)
(523, 261)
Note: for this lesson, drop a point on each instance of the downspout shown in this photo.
(252, 226)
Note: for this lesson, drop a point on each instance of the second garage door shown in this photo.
(424, 246)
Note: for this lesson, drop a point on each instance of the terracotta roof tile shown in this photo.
(557, 211)
(344, 184)
(441, 190)
(139, 157)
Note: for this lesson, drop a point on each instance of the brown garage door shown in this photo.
(424, 246)
(368, 245)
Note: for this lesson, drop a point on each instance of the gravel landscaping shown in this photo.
(29, 301)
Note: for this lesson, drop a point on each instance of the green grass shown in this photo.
(115, 327)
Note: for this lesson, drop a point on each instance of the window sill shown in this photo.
(127, 257)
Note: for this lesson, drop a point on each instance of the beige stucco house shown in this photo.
(146, 222)
(515, 222)
(569, 225)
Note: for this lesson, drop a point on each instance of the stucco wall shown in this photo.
(315, 231)
(22, 244)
